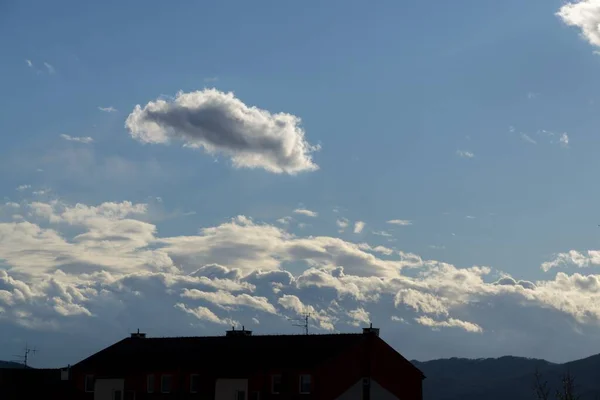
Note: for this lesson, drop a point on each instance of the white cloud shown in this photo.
(464, 154)
(305, 212)
(359, 226)
(203, 313)
(220, 123)
(573, 258)
(108, 109)
(85, 140)
(585, 15)
(22, 188)
(564, 140)
(29, 63)
(49, 67)
(470, 217)
(450, 323)
(400, 222)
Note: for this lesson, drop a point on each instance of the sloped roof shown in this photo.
(220, 352)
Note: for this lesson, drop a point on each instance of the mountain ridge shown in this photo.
(506, 377)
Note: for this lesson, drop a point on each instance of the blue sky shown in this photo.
(474, 122)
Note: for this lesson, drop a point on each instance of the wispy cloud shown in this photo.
(85, 140)
(359, 226)
(107, 109)
(470, 217)
(306, 212)
(23, 187)
(527, 138)
(342, 223)
(381, 233)
(465, 154)
(564, 140)
(400, 222)
(285, 220)
(29, 63)
(211, 79)
(49, 67)
(532, 95)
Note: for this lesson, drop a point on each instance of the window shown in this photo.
(150, 383)
(130, 395)
(254, 396)
(89, 383)
(117, 395)
(165, 383)
(305, 384)
(194, 383)
(276, 384)
(240, 395)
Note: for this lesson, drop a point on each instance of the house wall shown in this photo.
(393, 372)
(104, 388)
(377, 392)
(225, 389)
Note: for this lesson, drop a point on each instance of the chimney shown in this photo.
(371, 331)
(238, 333)
(138, 335)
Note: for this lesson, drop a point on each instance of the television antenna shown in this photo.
(304, 323)
(23, 358)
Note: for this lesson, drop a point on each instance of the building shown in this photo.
(242, 366)
(32, 383)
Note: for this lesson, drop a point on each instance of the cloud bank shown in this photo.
(220, 123)
(100, 270)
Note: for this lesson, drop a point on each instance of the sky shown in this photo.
(182, 167)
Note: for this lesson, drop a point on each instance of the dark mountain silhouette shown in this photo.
(11, 364)
(505, 378)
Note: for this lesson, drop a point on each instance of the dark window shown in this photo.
(276, 384)
(130, 395)
(89, 383)
(194, 383)
(254, 396)
(366, 389)
(150, 383)
(240, 395)
(305, 384)
(117, 395)
(165, 383)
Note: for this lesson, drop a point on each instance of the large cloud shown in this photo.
(585, 15)
(220, 123)
(100, 271)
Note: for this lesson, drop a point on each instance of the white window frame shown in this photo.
(161, 383)
(150, 389)
(309, 383)
(273, 383)
(192, 376)
(85, 383)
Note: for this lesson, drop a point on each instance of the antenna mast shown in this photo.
(304, 323)
(23, 358)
